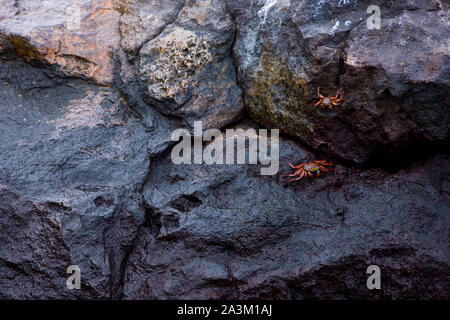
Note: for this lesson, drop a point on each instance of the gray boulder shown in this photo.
(396, 79)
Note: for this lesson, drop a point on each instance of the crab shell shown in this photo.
(312, 167)
(326, 102)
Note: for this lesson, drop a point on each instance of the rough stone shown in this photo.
(396, 79)
(86, 176)
(71, 148)
(141, 21)
(79, 37)
(187, 70)
(313, 239)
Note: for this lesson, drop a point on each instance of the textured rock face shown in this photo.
(187, 70)
(91, 91)
(79, 38)
(33, 251)
(71, 148)
(229, 233)
(141, 21)
(286, 49)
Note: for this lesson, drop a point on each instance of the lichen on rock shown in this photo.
(187, 71)
(278, 97)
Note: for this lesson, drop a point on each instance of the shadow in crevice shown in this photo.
(186, 203)
(153, 221)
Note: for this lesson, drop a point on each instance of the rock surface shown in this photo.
(395, 79)
(229, 233)
(92, 90)
(71, 148)
(187, 70)
(79, 38)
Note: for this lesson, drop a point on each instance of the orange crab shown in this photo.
(310, 169)
(330, 101)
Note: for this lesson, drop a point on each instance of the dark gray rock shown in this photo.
(253, 236)
(86, 177)
(33, 253)
(72, 148)
(187, 70)
(396, 79)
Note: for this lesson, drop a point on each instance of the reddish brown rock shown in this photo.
(80, 39)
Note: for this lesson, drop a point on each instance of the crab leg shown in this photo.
(326, 169)
(318, 102)
(296, 173)
(301, 165)
(339, 98)
(336, 99)
(318, 93)
(302, 175)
